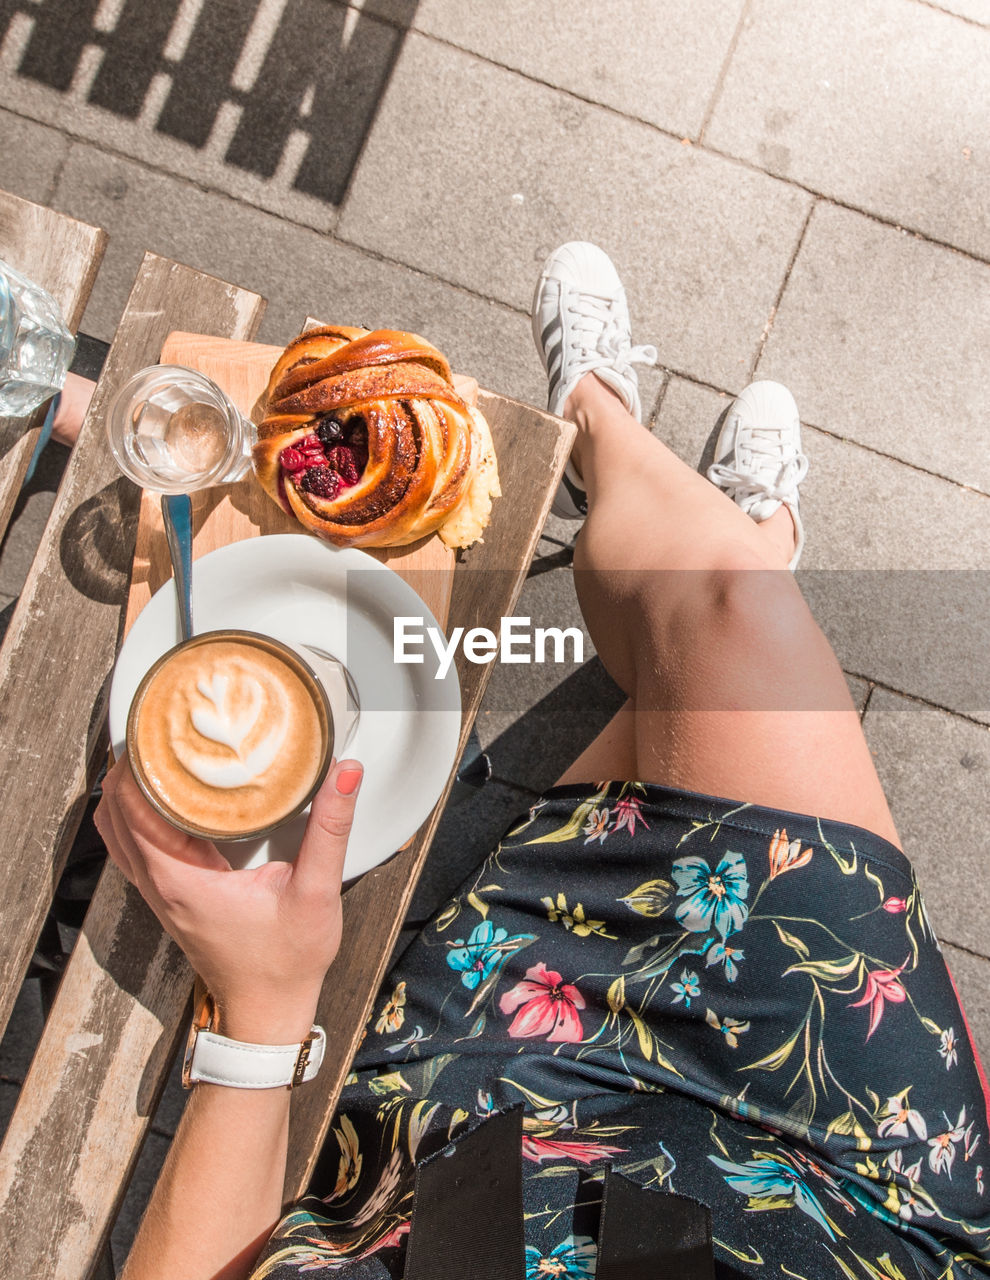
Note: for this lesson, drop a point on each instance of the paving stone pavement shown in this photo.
(790, 190)
(868, 101)
(881, 336)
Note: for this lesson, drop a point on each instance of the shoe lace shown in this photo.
(599, 333)
(764, 468)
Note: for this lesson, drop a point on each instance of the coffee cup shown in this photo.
(230, 735)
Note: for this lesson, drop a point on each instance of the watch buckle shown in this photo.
(302, 1061)
(206, 1017)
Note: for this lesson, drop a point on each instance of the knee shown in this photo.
(741, 605)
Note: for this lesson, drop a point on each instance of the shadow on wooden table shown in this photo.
(94, 549)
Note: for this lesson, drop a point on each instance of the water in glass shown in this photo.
(35, 345)
(173, 430)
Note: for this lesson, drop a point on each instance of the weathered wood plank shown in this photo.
(62, 255)
(93, 1087)
(532, 449)
(61, 1152)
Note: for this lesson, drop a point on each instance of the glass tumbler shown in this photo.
(173, 430)
(35, 345)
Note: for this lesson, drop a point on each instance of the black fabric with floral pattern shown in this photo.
(739, 1005)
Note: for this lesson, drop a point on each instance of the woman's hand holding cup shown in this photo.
(261, 939)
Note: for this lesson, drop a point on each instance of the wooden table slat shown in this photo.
(63, 256)
(60, 1154)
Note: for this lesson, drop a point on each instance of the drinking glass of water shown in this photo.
(35, 345)
(174, 431)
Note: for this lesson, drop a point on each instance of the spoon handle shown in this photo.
(177, 514)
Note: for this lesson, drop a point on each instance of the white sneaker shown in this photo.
(581, 325)
(759, 462)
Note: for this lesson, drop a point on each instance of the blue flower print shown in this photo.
(719, 953)
(686, 989)
(484, 950)
(573, 1259)
(771, 1180)
(714, 898)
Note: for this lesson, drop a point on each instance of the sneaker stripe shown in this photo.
(553, 387)
(553, 351)
(552, 325)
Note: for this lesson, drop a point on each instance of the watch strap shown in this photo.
(211, 1058)
(214, 1059)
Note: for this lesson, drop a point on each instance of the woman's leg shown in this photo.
(611, 755)
(734, 690)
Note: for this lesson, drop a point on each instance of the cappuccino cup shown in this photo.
(229, 735)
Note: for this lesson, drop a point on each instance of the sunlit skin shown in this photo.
(671, 555)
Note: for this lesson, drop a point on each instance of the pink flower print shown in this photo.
(895, 1161)
(903, 1200)
(627, 813)
(895, 905)
(786, 855)
(881, 986)
(312, 1259)
(547, 1006)
(540, 1149)
(942, 1151)
(596, 828)
(391, 1239)
(899, 1117)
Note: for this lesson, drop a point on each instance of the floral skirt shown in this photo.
(745, 1006)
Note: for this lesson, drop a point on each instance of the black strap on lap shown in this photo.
(467, 1206)
(652, 1235)
(468, 1214)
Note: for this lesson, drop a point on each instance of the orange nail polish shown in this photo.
(348, 781)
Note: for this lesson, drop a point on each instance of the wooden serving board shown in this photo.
(232, 512)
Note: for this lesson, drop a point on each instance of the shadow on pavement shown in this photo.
(312, 74)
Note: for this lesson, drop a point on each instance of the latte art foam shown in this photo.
(228, 736)
(219, 720)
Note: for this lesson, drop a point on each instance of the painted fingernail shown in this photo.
(348, 781)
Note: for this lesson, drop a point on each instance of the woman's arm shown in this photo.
(220, 1192)
(262, 941)
(72, 406)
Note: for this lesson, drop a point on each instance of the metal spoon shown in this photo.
(177, 514)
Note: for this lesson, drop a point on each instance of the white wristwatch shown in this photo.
(211, 1058)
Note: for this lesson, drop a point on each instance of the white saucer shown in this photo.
(306, 592)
